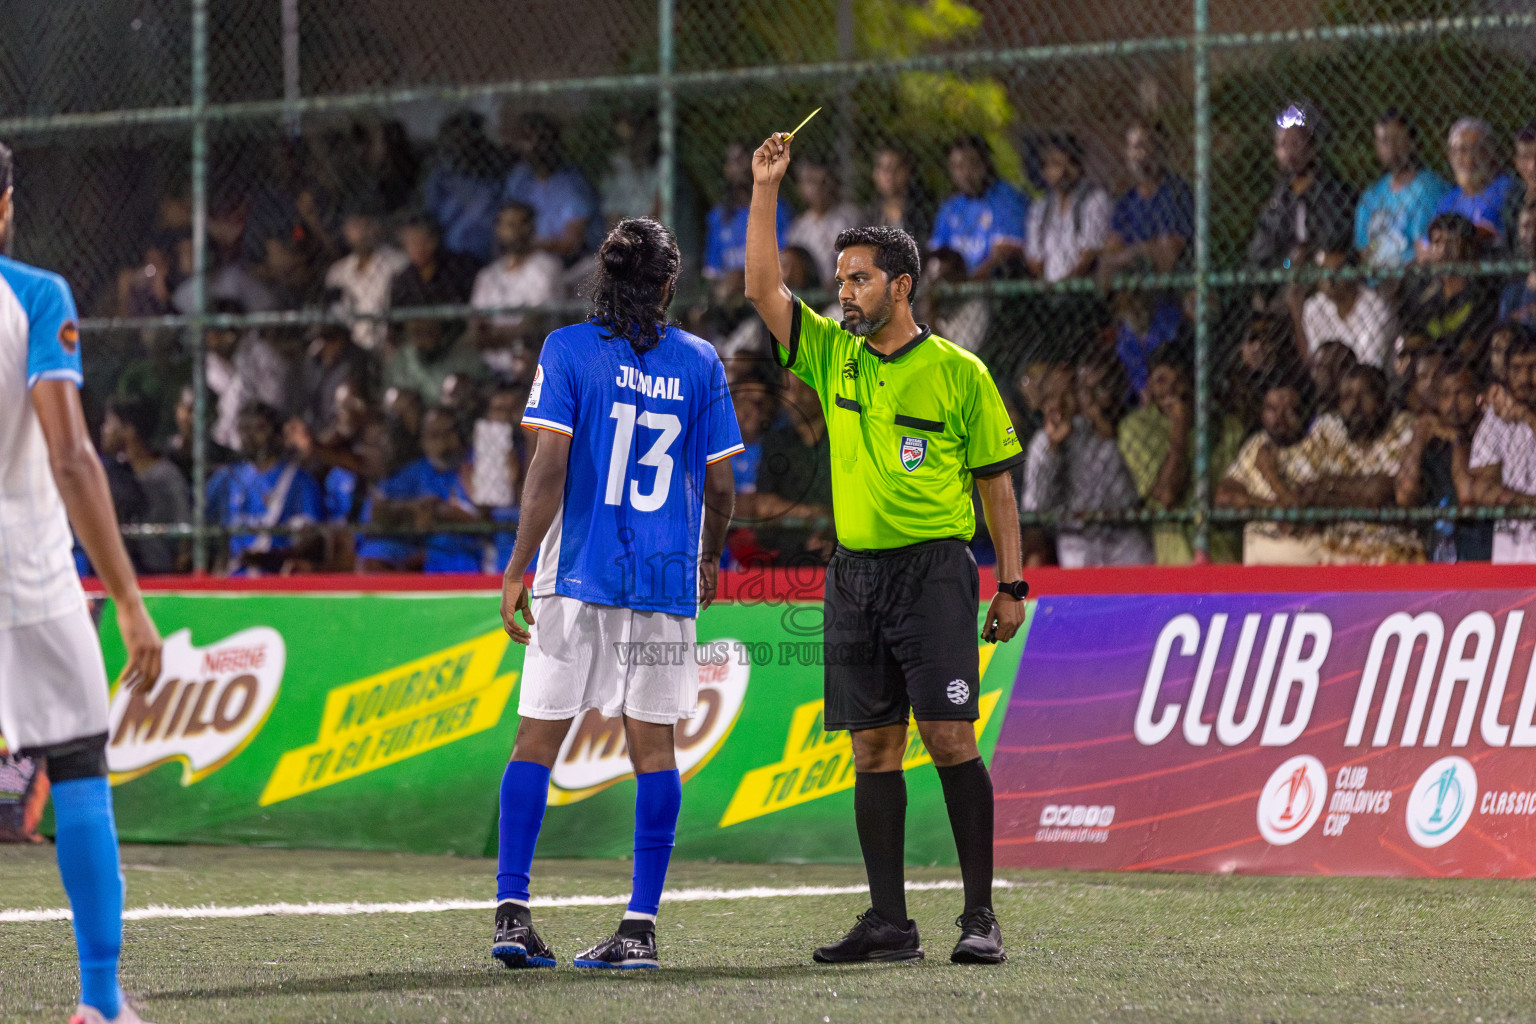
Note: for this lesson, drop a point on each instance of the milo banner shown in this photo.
(383, 721)
(1385, 733)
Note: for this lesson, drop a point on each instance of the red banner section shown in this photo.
(1385, 732)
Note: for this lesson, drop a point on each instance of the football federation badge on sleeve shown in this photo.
(913, 451)
(536, 389)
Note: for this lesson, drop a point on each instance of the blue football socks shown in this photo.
(88, 863)
(657, 800)
(524, 792)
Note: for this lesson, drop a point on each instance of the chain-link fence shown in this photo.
(1255, 279)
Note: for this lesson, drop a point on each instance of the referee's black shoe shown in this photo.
(515, 943)
(873, 939)
(981, 940)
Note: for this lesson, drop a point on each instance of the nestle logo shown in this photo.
(235, 659)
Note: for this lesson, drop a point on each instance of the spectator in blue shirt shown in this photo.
(565, 208)
(1518, 303)
(1395, 212)
(752, 398)
(984, 220)
(1525, 182)
(725, 227)
(463, 191)
(1154, 221)
(270, 490)
(1145, 322)
(1481, 189)
(429, 492)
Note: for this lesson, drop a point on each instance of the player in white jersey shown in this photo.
(53, 685)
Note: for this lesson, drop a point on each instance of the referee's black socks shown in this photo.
(968, 795)
(880, 812)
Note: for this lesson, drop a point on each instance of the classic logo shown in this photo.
(851, 370)
(208, 703)
(595, 754)
(69, 336)
(913, 451)
(1441, 802)
(1292, 800)
(959, 691)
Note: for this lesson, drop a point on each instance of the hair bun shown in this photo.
(620, 254)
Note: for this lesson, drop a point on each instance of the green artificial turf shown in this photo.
(1082, 947)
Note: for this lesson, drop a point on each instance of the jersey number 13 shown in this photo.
(657, 457)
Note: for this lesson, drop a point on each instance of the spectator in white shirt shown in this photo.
(242, 369)
(1345, 309)
(521, 275)
(962, 319)
(363, 276)
(1503, 462)
(826, 216)
(1069, 225)
(632, 186)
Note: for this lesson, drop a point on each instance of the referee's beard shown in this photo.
(866, 325)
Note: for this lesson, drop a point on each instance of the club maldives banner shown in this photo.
(1374, 733)
(383, 721)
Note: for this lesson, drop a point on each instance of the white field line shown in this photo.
(437, 906)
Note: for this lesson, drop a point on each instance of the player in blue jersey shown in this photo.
(53, 684)
(627, 500)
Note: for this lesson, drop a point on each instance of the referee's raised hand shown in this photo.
(771, 160)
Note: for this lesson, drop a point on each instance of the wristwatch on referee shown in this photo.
(1017, 590)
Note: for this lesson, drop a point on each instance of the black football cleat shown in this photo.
(515, 943)
(873, 940)
(981, 940)
(624, 950)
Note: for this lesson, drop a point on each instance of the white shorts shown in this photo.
(617, 660)
(53, 684)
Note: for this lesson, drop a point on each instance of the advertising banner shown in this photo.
(1386, 733)
(383, 721)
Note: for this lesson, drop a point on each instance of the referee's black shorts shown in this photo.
(901, 635)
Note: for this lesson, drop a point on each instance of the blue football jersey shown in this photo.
(643, 427)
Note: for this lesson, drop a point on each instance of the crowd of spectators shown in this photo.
(1390, 376)
(1393, 376)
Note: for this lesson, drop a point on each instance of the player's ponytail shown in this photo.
(636, 277)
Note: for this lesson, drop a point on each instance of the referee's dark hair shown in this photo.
(636, 278)
(7, 167)
(895, 251)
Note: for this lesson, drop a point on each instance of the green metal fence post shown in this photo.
(666, 112)
(1202, 68)
(199, 281)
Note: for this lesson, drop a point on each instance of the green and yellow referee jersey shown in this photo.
(907, 431)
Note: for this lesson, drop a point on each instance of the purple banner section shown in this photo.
(1385, 733)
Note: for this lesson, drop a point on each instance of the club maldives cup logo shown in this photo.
(1441, 802)
(913, 451)
(1292, 800)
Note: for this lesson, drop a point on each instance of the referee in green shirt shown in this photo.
(912, 420)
